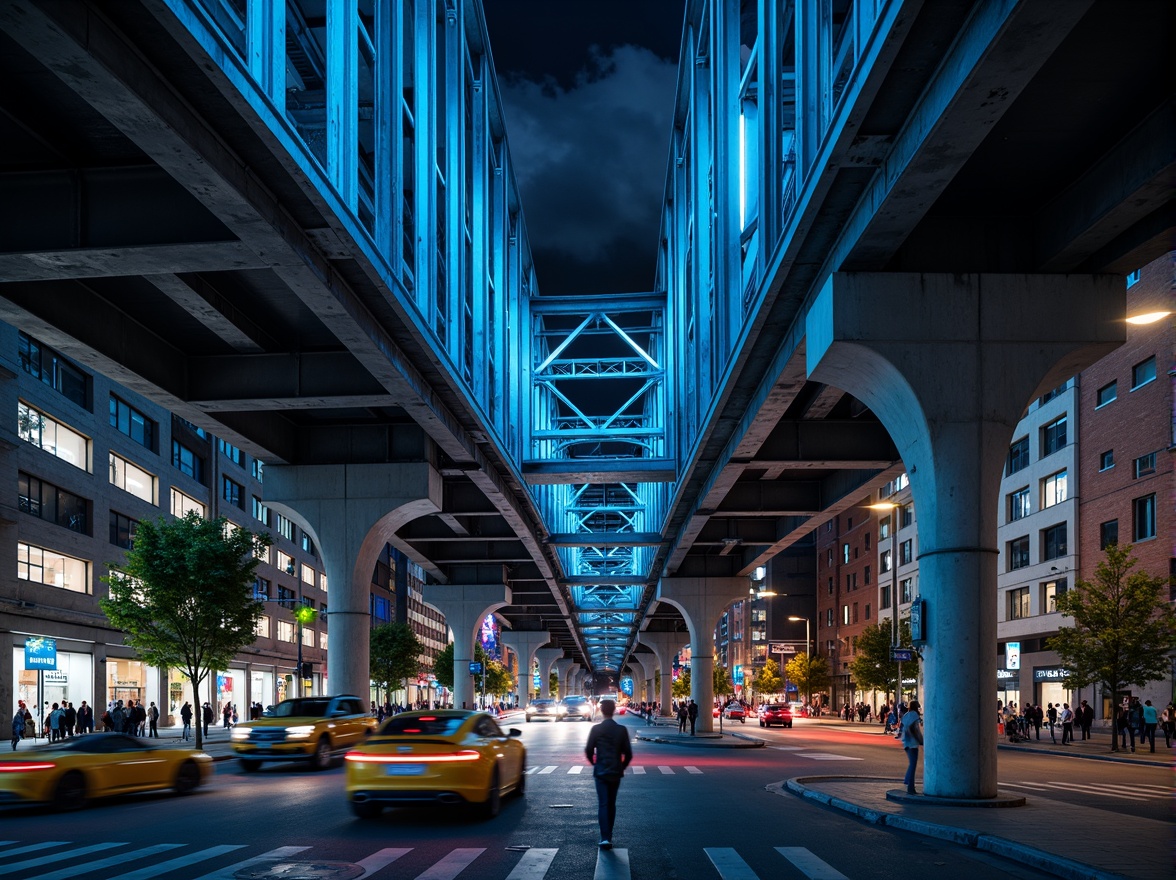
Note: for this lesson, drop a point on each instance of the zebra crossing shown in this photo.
(632, 770)
(61, 859)
(1132, 792)
(804, 752)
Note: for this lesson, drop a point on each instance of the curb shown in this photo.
(707, 742)
(1050, 863)
(1112, 758)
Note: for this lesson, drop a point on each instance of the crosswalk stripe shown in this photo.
(694, 770)
(827, 756)
(574, 769)
(1095, 789)
(533, 865)
(809, 865)
(227, 872)
(161, 869)
(728, 864)
(453, 864)
(612, 864)
(381, 859)
(787, 748)
(530, 771)
(1027, 785)
(550, 768)
(120, 859)
(72, 853)
(1140, 788)
(32, 847)
(666, 771)
(638, 771)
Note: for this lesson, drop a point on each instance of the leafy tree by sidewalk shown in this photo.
(768, 680)
(872, 668)
(681, 686)
(721, 681)
(184, 595)
(1124, 627)
(809, 673)
(395, 656)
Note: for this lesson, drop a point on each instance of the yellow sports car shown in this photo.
(312, 729)
(67, 773)
(444, 757)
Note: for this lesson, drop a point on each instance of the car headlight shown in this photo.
(562, 710)
(301, 731)
(241, 733)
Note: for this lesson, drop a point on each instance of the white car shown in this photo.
(544, 710)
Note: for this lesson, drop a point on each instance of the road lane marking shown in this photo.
(13, 868)
(809, 865)
(638, 771)
(120, 859)
(530, 771)
(227, 872)
(612, 864)
(694, 770)
(550, 768)
(453, 864)
(1092, 788)
(826, 756)
(533, 865)
(381, 859)
(728, 864)
(575, 768)
(160, 869)
(788, 748)
(33, 847)
(666, 770)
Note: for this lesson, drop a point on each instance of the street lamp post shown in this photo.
(808, 657)
(893, 508)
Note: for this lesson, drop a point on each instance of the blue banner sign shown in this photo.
(737, 675)
(475, 667)
(40, 654)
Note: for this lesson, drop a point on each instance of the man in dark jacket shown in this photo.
(609, 752)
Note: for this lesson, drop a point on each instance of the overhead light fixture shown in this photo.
(1147, 317)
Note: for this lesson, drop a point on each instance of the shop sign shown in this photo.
(1048, 673)
(56, 676)
(40, 653)
(737, 675)
(1005, 674)
(1013, 655)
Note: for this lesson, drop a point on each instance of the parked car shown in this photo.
(775, 713)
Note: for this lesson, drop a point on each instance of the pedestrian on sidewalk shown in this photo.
(153, 721)
(1123, 725)
(692, 715)
(1051, 714)
(682, 717)
(1068, 725)
(609, 752)
(1168, 721)
(18, 726)
(186, 718)
(1038, 718)
(206, 716)
(911, 731)
(1150, 720)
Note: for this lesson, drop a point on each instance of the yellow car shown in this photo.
(312, 729)
(68, 773)
(445, 757)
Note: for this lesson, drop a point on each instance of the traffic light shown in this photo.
(306, 670)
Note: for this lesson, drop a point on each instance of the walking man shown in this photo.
(1150, 719)
(692, 714)
(153, 721)
(681, 718)
(186, 718)
(1068, 725)
(911, 732)
(609, 752)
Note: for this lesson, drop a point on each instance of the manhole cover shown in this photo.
(301, 871)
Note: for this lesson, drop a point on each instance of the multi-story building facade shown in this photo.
(847, 595)
(898, 569)
(90, 459)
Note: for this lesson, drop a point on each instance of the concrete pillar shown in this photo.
(638, 673)
(582, 681)
(465, 606)
(546, 656)
(351, 511)
(562, 667)
(573, 679)
(702, 602)
(665, 647)
(525, 643)
(949, 363)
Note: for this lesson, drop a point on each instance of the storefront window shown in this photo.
(126, 680)
(72, 680)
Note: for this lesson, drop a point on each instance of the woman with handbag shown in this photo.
(911, 732)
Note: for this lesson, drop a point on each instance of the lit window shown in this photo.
(307, 575)
(182, 504)
(308, 637)
(262, 630)
(1050, 591)
(46, 433)
(323, 639)
(906, 590)
(1143, 372)
(1018, 606)
(41, 566)
(285, 631)
(845, 614)
(131, 478)
(1053, 490)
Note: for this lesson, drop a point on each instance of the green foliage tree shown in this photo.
(809, 673)
(768, 680)
(681, 686)
(553, 684)
(395, 655)
(443, 667)
(499, 680)
(183, 596)
(722, 681)
(1124, 627)
(872, 668)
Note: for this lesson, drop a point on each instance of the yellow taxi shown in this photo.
(311, 729)
(444, 757)
(68, 773)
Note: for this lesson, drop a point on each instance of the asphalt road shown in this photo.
(691, 813)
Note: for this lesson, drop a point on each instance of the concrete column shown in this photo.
(573, 679)
(351, 512)
(562, 667)
(949, 363)
(525, 643)
(638, 673)
(546, 656)
(465, 606)
(702, 602)
(665, 647)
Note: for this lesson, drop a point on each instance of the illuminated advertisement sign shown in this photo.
(40, 653)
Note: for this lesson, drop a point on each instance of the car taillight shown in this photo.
(464, 755)
(25, 766)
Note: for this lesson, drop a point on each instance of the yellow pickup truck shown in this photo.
(311, 729)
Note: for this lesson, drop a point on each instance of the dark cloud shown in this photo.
(588, 120)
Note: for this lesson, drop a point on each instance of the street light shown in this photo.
(808, 657)
(893, 508)
(303, 614)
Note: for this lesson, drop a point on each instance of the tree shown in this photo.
(443, 667)
(722, 681)
(184, 595)
(681, 686)
(499, 680)
(395, 655)
(553, 684)
(1123, 631)
(809, 673)
(872, 668)
(768, 680)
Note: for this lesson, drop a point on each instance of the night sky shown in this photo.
(588, 89)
